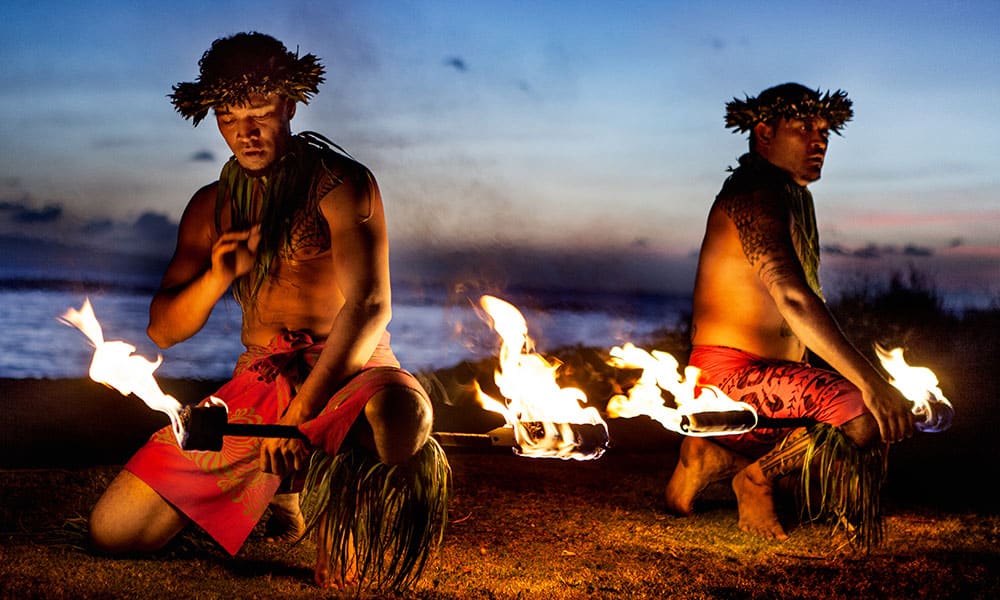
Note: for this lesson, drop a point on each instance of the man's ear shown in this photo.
(763, 132)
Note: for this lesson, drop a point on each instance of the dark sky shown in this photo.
(548, 128)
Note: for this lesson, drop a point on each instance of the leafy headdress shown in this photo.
(246, 64)
(231, 72)
(789, 101)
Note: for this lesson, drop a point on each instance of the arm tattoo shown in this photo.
(765, 234)
(325, 185)
(308, 228)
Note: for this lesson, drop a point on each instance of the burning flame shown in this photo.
(920, 386)
(541, 413)
(115, 365)
(660, 373)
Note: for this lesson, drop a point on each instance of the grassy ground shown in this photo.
(525, 528)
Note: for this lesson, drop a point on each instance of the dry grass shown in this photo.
(524, 528)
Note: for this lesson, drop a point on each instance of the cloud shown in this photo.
(874, 251)
(98, 226)
(20, 213)
(503, 267)
(203, 156)
(914, 250)
(456, 62)
(155, 227)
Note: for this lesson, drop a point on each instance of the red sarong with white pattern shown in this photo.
(775, 388)
(225, 492)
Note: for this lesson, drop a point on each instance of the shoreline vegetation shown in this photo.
(528, 528)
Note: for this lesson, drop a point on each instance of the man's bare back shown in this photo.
(732, 306)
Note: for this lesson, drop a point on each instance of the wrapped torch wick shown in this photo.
(934, 415)
(560, 439)
(734, 422)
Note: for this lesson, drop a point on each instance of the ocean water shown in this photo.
(427, 334)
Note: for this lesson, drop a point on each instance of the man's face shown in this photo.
(257, 132)
(796, 145)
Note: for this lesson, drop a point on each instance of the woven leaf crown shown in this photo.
(238, 67)
(789, 101)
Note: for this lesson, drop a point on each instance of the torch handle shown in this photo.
(783, 422)
(268, 431)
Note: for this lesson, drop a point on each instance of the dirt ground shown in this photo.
(527, 528)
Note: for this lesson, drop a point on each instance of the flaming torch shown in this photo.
(547, 420)
(115, 365)
(196, 428)
(919, 385)
(705, 410)
(701, 410)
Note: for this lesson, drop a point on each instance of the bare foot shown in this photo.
(701, 463)
(286, 523)
(755, 499)
(326, 573)
(328, 577)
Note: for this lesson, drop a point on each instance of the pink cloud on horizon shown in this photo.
(973, 251)
(909, 218)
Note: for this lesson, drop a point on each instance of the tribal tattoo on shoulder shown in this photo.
(763, 227)
(325, 186)
(309, 230)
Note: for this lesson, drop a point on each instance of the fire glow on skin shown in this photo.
(545, 419)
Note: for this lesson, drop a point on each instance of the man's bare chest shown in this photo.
(297, 235)
(308, 238)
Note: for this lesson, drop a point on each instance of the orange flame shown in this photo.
(528, 383)
(115, 365)
(920, 386)
(660, 373)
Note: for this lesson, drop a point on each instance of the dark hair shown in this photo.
(788, 101)
(243, 65)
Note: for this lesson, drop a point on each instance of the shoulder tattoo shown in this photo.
(327, 184)
(763, 226)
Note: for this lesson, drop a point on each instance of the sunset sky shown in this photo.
(586, 133)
